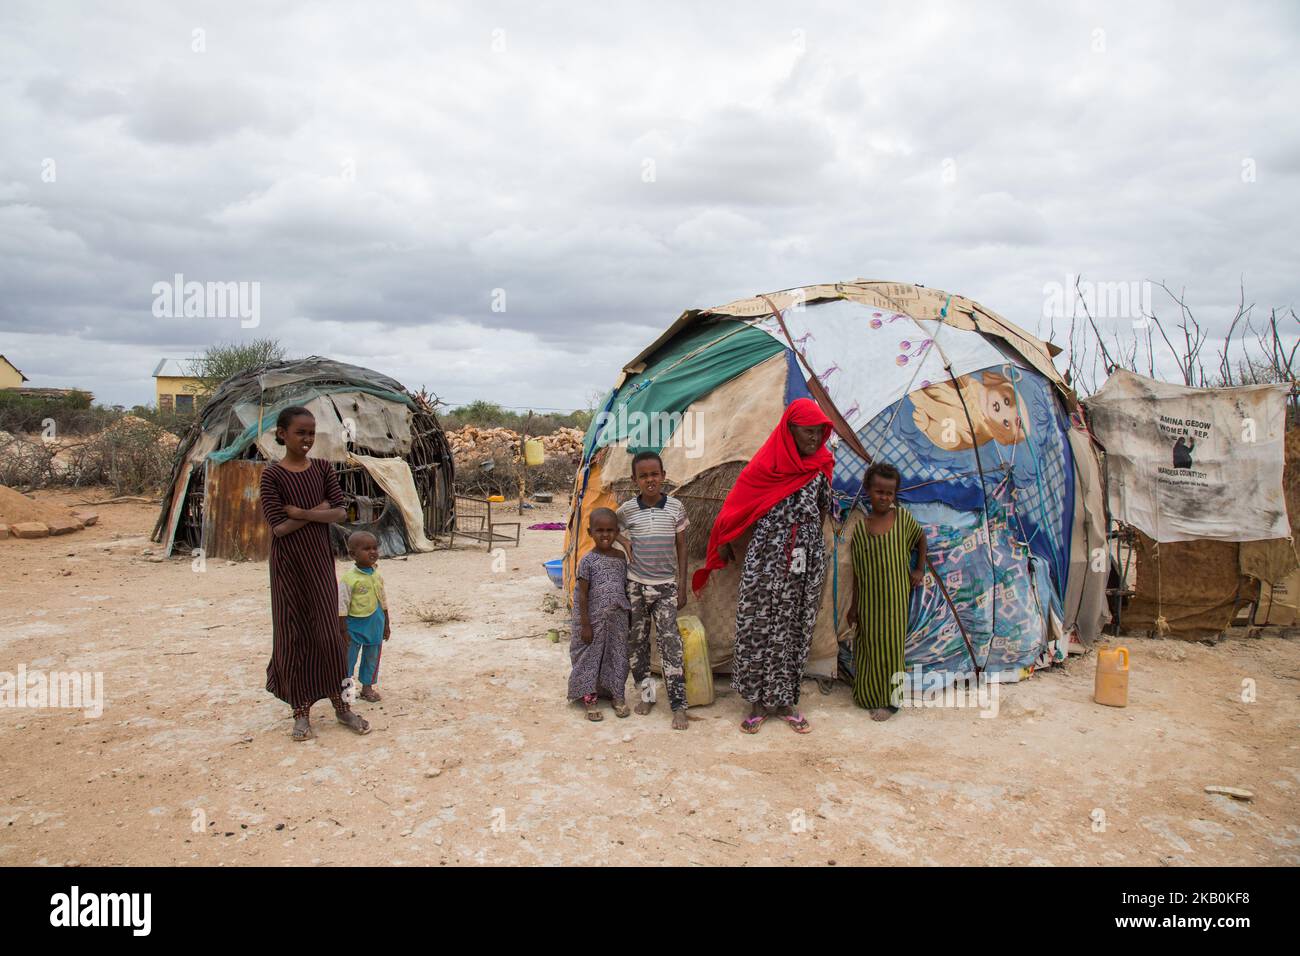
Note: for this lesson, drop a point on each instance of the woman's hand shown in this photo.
(852, 618)
(294, 512)
(918, 577)
(586, 634)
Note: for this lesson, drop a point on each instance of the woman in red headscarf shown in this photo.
(779, 502)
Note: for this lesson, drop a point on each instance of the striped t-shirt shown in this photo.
(653, 532)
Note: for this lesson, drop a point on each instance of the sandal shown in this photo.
(621, 709)
(751, 723)
(354, 722)
(302, 730)
(798, 723)
(589, 701)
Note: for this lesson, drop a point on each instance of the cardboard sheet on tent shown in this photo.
(1194, 584)
(331, 440)
(378, 425)
(1278, 602)
(1193, 463)
(1085, 594)
(394, 476)
(917, 302)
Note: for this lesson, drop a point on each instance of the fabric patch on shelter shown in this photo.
(1185, 464)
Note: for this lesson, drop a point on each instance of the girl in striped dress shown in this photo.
(300, 499)
(882, 584)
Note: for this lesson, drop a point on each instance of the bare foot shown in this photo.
(353, 721)
(679, 720)
(881, 713)
(621, 709)
(302, 729)
(643, 707)
(369, 693)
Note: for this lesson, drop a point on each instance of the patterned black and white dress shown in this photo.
(601, 666)
(780, 595)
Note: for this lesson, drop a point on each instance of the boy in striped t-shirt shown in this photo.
(653, 527)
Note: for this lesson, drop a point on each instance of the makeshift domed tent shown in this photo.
(386, 445)
(997, 464)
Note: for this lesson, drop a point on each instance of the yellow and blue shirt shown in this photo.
(363, 602)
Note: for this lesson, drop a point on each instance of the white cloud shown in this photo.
(381, 170)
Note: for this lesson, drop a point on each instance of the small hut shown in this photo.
(385, 444)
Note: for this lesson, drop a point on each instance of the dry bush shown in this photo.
(502, 477)
(26, 464)
(132, 456)
(438, 614)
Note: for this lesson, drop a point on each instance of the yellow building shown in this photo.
(10, 377)
(175, 387)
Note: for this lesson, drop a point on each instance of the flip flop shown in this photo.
(798, 723)
(751, 724)
(305, 733)
(361, 727)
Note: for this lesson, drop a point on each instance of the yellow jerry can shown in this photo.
(1111, 685)
(695, 658)
(534, 453)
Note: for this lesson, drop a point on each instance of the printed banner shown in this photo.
(1187, 463)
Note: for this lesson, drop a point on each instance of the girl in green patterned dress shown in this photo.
(882, 584)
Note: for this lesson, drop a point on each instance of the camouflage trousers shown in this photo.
(657, 603)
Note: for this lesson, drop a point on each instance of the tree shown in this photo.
(222, 360)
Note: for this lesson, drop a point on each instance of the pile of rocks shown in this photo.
(24, 517)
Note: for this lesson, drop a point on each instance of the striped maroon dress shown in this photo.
(308, 661)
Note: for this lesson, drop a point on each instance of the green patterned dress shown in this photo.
(881, 574)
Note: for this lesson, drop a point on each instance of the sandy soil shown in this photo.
(477, 759)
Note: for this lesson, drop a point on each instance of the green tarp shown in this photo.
(693, 364)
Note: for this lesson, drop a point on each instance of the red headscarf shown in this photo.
(775, 472)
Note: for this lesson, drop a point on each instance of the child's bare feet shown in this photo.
(643, 707)
(679, 720)
(353, 721)
(369, 693)
(621, 709)
(302, 729)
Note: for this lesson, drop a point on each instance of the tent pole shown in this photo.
(988, 533)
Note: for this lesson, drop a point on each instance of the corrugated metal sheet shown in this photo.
(233, 526)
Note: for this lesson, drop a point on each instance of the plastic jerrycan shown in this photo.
(1111, 686)
(534, 452)
(695, 660)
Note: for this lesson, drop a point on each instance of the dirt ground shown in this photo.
(477, 759)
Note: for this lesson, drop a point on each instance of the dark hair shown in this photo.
(882, 469)
(286, 417)
(646, 456)
(604, 513)
(355, 538)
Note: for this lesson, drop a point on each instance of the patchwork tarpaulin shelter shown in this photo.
(390, 454)
(1209, 481)
(996, 460)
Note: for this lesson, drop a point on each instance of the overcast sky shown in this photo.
(379, 172)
